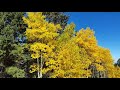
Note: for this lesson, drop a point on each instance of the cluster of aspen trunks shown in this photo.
(98, 74)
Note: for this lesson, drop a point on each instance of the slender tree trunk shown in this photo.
(38, 68)
(41, 67)
(87, 73)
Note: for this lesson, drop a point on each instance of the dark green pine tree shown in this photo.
(57, 18)
(12, 50)
(118, 63)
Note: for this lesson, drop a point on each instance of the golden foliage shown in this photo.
(66, 55)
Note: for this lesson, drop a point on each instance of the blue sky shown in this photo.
(106, 26)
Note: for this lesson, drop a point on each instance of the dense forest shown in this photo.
(44, 45)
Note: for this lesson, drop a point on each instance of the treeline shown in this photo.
(44, 45)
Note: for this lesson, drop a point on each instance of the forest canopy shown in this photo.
(44, 45)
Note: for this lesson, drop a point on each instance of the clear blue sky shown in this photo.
(106, 26)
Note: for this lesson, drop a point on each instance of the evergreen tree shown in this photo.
(118, 62)
(11, 50)
(57, 18)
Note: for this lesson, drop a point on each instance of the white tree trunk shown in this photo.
(38, 68)
(41, 67)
